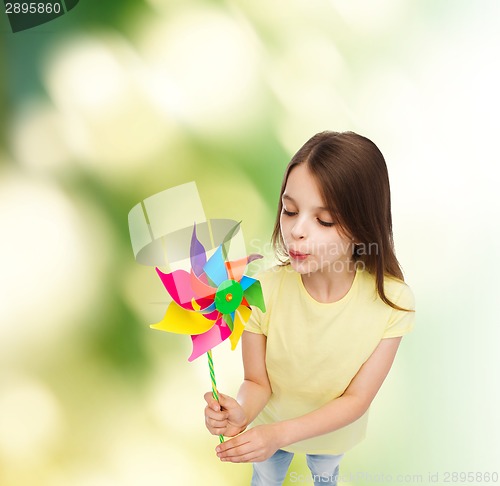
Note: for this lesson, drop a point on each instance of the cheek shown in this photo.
(283, 227)
(332, 247)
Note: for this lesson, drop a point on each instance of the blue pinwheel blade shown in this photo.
(215, 268)
(245, 282)
(208, 309)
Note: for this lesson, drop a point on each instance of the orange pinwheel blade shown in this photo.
(236, 268)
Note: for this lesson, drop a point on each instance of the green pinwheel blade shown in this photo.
(228, 319)
(254, 296)
(226, 243)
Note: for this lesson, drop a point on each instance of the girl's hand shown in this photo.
(255, 445)
(224, 417)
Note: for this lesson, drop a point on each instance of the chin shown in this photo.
(304, 268)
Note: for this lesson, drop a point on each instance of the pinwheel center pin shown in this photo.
(228, 297)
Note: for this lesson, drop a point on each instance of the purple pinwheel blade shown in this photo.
(215, 268)
(197, 254)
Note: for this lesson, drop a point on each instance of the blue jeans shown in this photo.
(272, 472)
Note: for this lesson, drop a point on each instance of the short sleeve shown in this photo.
(401, 322)
(254, 324)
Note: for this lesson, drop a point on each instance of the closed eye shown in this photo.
(325, 223)
(288, 213)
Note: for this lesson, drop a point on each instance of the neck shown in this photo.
(329, 285)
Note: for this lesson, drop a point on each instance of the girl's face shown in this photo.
(312, 238)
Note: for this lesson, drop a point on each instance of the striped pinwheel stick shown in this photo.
(214, 384)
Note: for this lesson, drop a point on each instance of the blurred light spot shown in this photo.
(89, 73)
(145, 293)
(309, 80)
(83, 475)
(37, 137)
(168, 390)
(30, 419)
(388, 99)
(50, 266)
(237, 197)
(372, 17)
(208, 63)
(97, 84)
(154, 460)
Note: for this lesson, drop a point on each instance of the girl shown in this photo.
(337, 309)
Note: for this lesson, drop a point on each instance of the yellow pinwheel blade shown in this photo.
(182, 321)
(241, 316)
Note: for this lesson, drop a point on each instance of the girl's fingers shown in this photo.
(220, 416)
(216, 427)
(239, 453)
(215, 423)
(211, 401)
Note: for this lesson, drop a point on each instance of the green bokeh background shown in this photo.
(116, 101)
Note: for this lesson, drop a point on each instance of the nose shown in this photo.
(299, 230)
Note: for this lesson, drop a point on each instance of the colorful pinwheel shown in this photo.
(212, 301)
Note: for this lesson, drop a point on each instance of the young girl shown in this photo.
(337, 309)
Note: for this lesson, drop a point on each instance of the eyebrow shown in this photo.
(286, 197)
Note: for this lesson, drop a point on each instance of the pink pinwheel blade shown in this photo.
(178, 285)
(208, 340)
(200, 288)
(211, 316)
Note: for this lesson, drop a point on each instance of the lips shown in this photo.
(297, 255)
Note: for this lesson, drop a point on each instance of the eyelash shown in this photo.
(322, 223)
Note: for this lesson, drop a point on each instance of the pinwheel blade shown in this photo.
(215, 268)
(236, 269)
(246, 282)
(178, 285)
(182, 321)
(253, 295)
(202, 343)
(242, 316)
(200, 288)
(197, 254)
(227, 239)
(229, 320)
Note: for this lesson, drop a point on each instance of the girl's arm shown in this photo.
(229, 416)
(255, 390)
(262, 441)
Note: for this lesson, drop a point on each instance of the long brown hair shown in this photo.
(352, 176)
